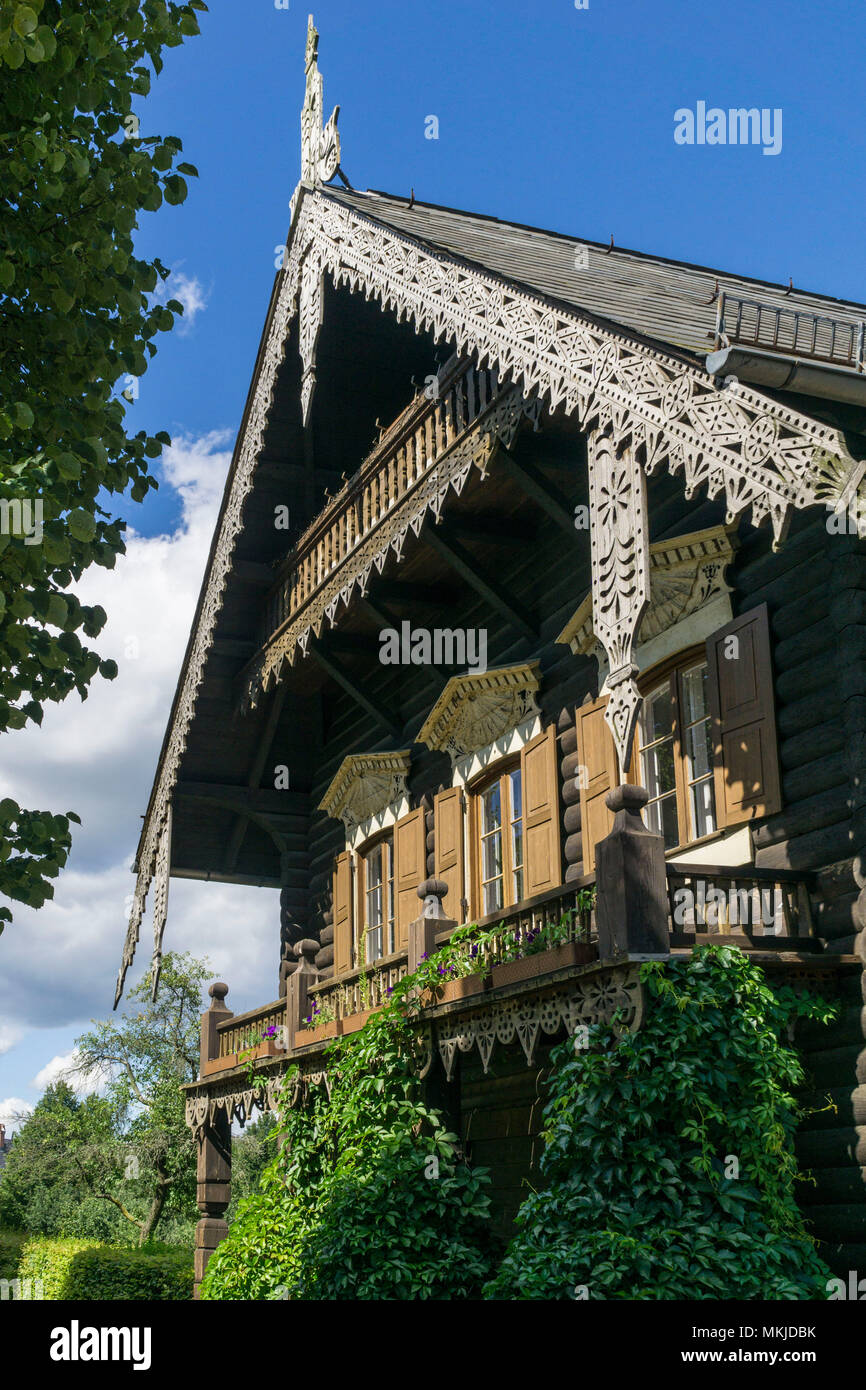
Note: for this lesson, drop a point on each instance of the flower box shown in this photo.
(511, 972)
(319, 1032)
(356, 1022)
(463, 988)
(269, 1048)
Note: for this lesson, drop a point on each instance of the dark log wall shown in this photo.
(815, 589)
(500, 1122)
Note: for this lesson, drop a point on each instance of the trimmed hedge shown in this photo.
(81, 1269)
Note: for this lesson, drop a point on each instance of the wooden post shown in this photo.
(298, 988)
(214, 1158)
(424, 930)
(217, 1013)
(632, 906)
(213, 1190)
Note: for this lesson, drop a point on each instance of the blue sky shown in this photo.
(548, 115)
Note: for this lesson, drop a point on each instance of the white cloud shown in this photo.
(67, 1067)
(191, 293)
(13, 1111)
(9, 1036)
(98, 758)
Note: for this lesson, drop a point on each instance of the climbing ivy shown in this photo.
(668, 1165)
(366, 1198)
(668, 1168)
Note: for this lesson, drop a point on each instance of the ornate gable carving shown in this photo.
(478, 708)
(365, 783)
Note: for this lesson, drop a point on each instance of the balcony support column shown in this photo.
(213, 1190)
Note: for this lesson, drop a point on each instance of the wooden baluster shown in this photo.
(459, 403)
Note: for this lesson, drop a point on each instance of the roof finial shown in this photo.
(320, 148)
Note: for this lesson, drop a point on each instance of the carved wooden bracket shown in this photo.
(620, 576)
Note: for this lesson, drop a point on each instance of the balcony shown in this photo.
(430, 448)
(533, 945)
(794, 332)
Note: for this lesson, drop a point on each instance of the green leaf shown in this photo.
(24, 20)
(82, 524)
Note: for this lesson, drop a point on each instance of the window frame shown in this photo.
(501, 772)
(388, 925)
(670, 672)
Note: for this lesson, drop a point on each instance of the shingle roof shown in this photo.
(670, 301)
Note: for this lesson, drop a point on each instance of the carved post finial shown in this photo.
(320, 148)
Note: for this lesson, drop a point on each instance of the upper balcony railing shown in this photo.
(405, 454)
(748, 323)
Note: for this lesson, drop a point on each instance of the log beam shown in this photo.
(533, 483)
(385, 718)
(442, 541)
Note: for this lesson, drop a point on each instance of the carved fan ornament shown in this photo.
(760, 454)
(365, 784)
(476, 709)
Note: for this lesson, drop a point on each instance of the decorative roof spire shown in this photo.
(320, 148)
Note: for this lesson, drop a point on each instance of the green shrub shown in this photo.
(11, 1243)
(79, 1269)
(668, 1163)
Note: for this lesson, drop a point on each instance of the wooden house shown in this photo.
(521, 530)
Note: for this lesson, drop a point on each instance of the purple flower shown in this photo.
(390, 989)
(424, 957)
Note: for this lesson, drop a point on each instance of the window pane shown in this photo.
(516, 795)
(658, 768)
(699, 749)
(491, 809)
(703, 807)
(493, 896)
(661, 816)
(374, 944)
(695, 693)
(374, 866)
(374, 907)
(517, 845)
(657, 720)
(491, 856)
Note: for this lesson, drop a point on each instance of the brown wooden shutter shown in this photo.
(542, 868)
(448, 832)
(343, 913)
(410, 869)
(598, 756)
(740, 691)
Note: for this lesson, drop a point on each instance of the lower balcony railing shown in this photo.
(552, 931)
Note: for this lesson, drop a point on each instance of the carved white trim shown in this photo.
(619, 546)
(588, 1000)
(310, 323)
(760, 454)
(366, 783)
(478, 708)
